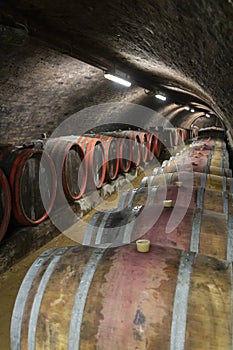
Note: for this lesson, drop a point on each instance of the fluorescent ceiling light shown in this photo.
(117, 79)
(207, 115)
(187, 108)
(161, 97)
(192, 110)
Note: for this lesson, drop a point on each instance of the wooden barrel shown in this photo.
(136, 145)
(125, 149)
(205, 143)
(85, 298)
(197, 230)
(213, 157)
(68, 158)
(185, 196)
(144, 146)
(158, 145)
(201, 161)
(195, 166)
(94, 159)
(5, 204)
(125, 154)
(33, 183)
(208, 181)
(111, 151)
(151, 146)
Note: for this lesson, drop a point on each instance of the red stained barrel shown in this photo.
(144, 146)
(208, 181)
(68, 158)
(152, 144)
(135, 145)
(33, 182)
(186, 228)
(94, 159)
(183, 196)
(111, 151)
(129, 148)
(85, 298)
(157, 145)
(5, 204)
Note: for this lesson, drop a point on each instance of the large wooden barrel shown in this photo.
(157, 145)
(200, 161)
(68, 158)
(5, 204)
(33, 183)
(126, 149)
(94, 159)
(197, 230)
(208, 181)
(125, 154)
(152, 143)
(135, 145)
(196, 166)
(214, 157)
(111, 151)
(144, 146)
(85, 298)
(186, 196)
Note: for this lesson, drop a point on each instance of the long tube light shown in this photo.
(117, 79)
(161, 97)
(186, 108)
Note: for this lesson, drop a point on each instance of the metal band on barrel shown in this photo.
(17, 316)
(180, 306)
(101, 227)
(80, 299)
(38, 298)
(203, 179)
(89, 230)
(122, 200)
(196, 225)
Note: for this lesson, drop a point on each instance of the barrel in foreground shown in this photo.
(121, 299)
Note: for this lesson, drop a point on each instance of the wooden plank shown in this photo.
(209, 320)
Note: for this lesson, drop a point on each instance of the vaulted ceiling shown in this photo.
(179, 47)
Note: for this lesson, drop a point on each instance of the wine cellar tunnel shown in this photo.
(174, 117)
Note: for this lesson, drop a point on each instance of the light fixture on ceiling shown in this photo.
(117, 79)
(187, 108)
(161, 97)
(192, 110)
(207, 115)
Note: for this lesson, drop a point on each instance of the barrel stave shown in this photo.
(209, 322)
(213, 237)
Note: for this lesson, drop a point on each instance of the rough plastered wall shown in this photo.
(193, 38)
(40, 88)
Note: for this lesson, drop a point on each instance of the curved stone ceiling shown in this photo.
(184, 44)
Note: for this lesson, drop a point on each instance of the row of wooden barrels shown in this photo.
(107, 295)
(35, 176)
